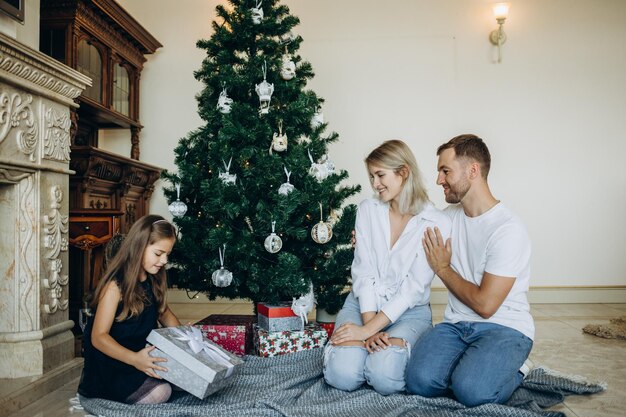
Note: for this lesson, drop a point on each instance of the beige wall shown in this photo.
(553, 112)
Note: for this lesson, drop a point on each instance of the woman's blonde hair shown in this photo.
(126, 266)
(396, 156)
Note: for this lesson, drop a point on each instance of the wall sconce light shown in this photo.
(498, 37)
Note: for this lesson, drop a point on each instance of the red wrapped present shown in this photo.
(278, 343)
(278, 318)
(233, 332)
(329, 327)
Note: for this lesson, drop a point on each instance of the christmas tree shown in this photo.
(265, 214)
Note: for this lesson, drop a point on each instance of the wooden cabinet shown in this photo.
(108, 192)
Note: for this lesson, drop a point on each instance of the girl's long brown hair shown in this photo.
(125, 267)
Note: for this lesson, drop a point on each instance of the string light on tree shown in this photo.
(322, 232)
(222, 277)
(273, 243)
(177, 208)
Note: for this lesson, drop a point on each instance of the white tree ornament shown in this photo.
(257, 13)
(222, 277)
(273, 243)
(288, 68)
(264, 91)
(224, 102)
(322, 169)
(322, 232)
(286, 187)
(177, 208)
(317, 120)
(227, 177)
(279, 141)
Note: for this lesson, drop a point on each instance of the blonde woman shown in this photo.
(388, 308)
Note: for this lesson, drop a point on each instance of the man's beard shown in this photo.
(456, 193)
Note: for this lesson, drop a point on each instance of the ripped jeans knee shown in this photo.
(384, 370)
(344, 365)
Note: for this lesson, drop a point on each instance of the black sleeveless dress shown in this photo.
(108, 378)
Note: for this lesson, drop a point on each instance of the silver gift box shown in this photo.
(196, 373)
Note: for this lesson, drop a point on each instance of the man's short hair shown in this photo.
(470, 147)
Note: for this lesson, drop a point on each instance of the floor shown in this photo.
(559, 345)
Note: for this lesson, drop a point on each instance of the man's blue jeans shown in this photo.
(476, 362)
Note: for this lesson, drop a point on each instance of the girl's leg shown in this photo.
(152, 391)
(385, 369)
(343, 365)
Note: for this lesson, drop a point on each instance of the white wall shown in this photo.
(26, 32)
(553, 112)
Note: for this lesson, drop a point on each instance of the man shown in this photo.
(487, 333)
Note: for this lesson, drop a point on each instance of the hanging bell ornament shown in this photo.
(273, 243)
(227, 177)
(322, 232)
(224, 102)
(222, 277)
(317, 120)
(257, 13)
(177, 208)
(286, 187)
(288, 68)
(279, 142)
(264, 91)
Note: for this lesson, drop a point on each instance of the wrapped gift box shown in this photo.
(278, 318)
(194, 364)
(278, 343)
(233, 332)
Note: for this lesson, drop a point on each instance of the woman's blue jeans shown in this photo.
(475, 362)
(348, 367)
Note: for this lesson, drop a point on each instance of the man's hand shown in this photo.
(438, 254)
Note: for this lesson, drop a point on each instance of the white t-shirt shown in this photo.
(496, 242)
(395, 279)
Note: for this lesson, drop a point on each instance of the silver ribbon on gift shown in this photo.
(303, 305)
(197, 344)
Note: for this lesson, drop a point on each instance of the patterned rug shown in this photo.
(616, 329)
(292, 385)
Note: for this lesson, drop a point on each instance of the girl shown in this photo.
(390, 277)
(130, 301)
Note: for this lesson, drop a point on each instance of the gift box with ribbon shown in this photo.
(278, 343)
(278, 318)
(194, 364)
(233, 332)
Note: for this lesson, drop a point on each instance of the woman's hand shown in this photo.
(349, 332)
(377, 342)
(148, 364)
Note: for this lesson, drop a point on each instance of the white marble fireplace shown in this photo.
(36, 94)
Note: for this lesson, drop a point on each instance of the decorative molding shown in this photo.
(27, 225)
(39, 69)
(57, 136)
(103, 30)
(13, 110)
(55, 227)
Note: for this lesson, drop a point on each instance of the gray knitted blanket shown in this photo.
(292, 385)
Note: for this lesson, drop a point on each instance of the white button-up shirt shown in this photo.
(395, 279)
